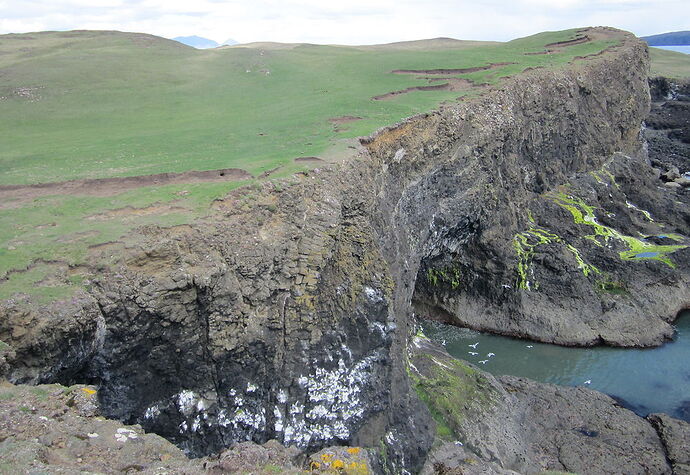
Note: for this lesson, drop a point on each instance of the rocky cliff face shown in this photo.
(507, 425)
(286, 313)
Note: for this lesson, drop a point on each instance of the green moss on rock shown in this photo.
(449, 276)
(525, 243)
(450, 389)
(638, 249)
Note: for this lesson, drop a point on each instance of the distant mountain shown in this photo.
(229, 42)
(197, 42)
(669, 39)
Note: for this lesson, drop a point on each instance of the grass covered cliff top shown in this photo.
(104, 132)
(670, 64)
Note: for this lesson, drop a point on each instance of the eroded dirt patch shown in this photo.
(308, 160)
(130, 212)
(450, 84)
(450, 71)
(270, 172)
(389, 95)
(575, 41)
(593, 34)
(12, 196)
(346, 119)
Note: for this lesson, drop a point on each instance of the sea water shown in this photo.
(644, 380)
(680, 49)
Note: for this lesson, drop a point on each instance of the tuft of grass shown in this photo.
(40, 393)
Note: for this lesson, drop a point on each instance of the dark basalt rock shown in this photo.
(291, 320)
(675, 436)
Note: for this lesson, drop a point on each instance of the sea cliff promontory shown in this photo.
(530, 209)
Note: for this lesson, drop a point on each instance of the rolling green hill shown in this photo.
(669, 63)
(87, 105)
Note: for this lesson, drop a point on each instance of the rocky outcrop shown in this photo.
(57, 429)
(285, 314)
(508, 424)
(675, 436)
(667, 131)
(596, 255)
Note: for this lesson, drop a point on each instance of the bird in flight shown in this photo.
(529, 346)
(473, 353)
(474, 346)
(484, 361)
(490, 355)
(589, 381)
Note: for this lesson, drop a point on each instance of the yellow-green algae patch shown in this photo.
(637, 248)
(524, 244)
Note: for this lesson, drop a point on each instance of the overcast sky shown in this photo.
(342, 22)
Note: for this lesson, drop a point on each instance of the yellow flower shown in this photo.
(353, 450)
(89, 391)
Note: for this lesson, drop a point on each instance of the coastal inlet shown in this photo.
(644, 380)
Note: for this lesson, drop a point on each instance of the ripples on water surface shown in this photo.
(646, 380)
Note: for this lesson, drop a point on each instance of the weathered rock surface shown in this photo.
(675, 436)
(285, 314)
(52, 429)
(668, 126)
(528, 427)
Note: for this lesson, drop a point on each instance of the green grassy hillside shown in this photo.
(86, 105)
(669, 63)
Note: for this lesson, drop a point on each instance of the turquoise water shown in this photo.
(644, 380)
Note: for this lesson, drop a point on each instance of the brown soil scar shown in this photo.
(308, 160)
(344, 119)
(112, 186)
(450, 71)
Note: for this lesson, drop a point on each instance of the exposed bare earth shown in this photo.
(437, 75)
(388, 95)
(130, 211)
(344, 119)
(593, 34)
(13, 195)
(449, 71)
(575, 41)
(308, 160)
